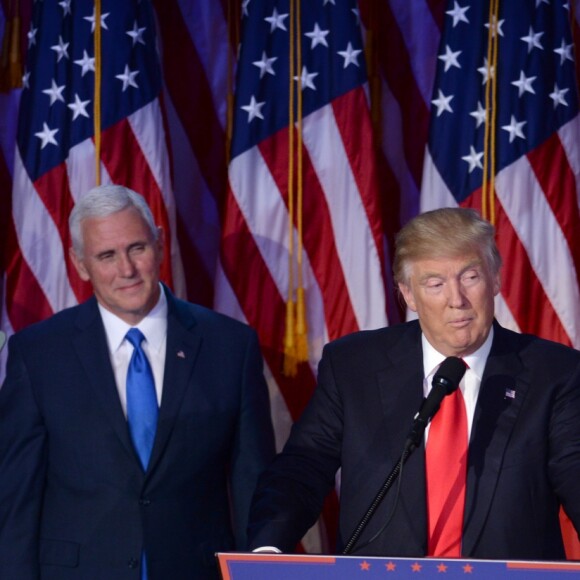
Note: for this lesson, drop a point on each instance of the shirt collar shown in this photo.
(153, 326)
(432, 358)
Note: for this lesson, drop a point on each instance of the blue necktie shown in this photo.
(142, 410)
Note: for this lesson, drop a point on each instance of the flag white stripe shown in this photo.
(257, 195)
(434, 193)
(570, 138)
(352, 234)
(81, 168)
(437, 195)
(540, 233)
(147, 127)
(39, 239)
(148, 130)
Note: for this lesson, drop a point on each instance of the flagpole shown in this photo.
(97, 100)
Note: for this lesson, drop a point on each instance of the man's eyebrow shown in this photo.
(104, 252)
(138, 243)
(473, 264)
(428, 275)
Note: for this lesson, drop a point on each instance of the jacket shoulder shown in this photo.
(55, 325)
(373, 342)
(209, 320)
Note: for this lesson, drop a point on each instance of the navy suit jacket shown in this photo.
(74, 500)
(524, 453)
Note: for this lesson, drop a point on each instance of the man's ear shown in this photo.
(497, 284)
(407, 294)
(79, 265)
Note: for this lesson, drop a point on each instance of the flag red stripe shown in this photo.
(118, 145)
(531, 307)
(190, 93)
(266, 315)
(53, 189)
(25, 300)
(5, 213)
(318, 237)
(358, 145)
(554, 174)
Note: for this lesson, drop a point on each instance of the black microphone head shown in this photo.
(450, 373)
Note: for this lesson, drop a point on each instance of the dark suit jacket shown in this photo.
(524, 454)
(74, 500)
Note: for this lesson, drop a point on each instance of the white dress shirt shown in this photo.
(154, 328)
(471, 381)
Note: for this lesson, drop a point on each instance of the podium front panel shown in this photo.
(236, 566)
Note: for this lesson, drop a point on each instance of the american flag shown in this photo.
(438, 93)
(343, 259)
(537, 154)
(199, 41)
(54, 159)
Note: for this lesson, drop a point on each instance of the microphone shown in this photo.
(445, 382)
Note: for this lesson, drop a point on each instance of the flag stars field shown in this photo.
(46, 136)
(350, 55)
(515, 128)
(458, 13)
(86, 63)
(317, 36)
(450, 58)
(276, 21)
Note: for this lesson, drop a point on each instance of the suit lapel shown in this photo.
(502, 393)
(183, 343)
(401, 388)
(90, 344)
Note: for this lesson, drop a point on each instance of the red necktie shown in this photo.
(446, 461)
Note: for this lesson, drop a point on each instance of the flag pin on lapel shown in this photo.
(510, 394)
(180, 354)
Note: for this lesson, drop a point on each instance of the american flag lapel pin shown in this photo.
(510, 393)
(180, 354)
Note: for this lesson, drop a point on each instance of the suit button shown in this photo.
(144, 501)
(133, 563)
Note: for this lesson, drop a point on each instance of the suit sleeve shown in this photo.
(254, 444)
(23, 465)
(564, 463)
(291, 492)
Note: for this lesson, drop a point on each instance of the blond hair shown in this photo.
(441, 233)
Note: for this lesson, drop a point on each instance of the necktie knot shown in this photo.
(135, 337)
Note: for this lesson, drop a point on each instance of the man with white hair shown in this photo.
(134, 426)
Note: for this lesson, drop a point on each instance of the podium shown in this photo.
(238, 566)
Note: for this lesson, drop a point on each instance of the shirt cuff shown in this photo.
(267, 549)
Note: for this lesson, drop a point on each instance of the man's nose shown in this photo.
(125, 265)
(456, 294)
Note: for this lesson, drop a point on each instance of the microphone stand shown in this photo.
(445, 381)
(410, 446)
